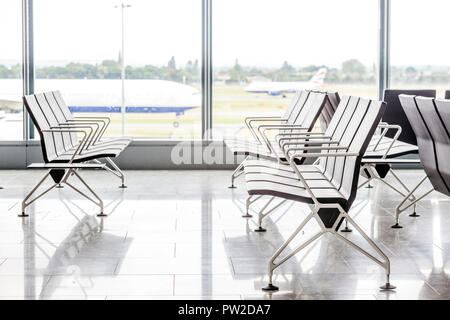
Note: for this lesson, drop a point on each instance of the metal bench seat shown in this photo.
(301, 116)
(329, 185)
(64, 152)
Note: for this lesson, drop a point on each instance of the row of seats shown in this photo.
(63, 152)
(356, 138)
(305, 108)
(360, 139)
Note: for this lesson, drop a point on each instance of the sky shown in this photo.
(260, 33)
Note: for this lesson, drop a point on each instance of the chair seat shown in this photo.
(125, 141)
(92, 153)
(266, 180)
(254, 149)
(398, 149)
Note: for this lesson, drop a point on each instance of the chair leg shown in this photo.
(117, 172)
(273, 265)
(399, 208)
(262, 214)
(413, 198)
(26, 204)
(385, 264)
(99, 201)
(369, 179)
(346, 229)
(236, 174)
(248, 202)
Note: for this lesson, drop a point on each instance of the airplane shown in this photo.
(104, 96)
(275, 88)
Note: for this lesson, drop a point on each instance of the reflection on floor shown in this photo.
(180, 235)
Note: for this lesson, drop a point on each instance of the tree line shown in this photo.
(351, 71)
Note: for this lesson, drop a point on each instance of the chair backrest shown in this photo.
(311, 110)
(62, 114)
(53, 144)
(62, 105)
(298, 105)
(293, 104)
(447, 94)
(327, 114)
(353, 125)
(396, 115)
(430, 121)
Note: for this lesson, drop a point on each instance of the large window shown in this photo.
(263, 50)
(79, 51)
(419, 47)
(266, 49)
(11, 109)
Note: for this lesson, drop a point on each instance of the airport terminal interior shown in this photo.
(224, 150)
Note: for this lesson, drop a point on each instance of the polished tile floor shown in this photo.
(180, 235)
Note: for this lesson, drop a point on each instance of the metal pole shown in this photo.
(206, 70)
(122, 6)
(122, 62)
(27, 63)
(383, 46)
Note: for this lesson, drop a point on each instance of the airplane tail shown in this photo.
(319, 78)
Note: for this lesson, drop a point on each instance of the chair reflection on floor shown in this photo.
(81, 242)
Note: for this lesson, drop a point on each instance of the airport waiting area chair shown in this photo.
(329, 186)
(384, 150)
(396, 140)
(63, 153)
(65, 117)
(430, 120)
(301, 115)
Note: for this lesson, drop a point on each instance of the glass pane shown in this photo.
(272, 48)
(163, 49)
(78, 50)
(419, 48)
(11, 108)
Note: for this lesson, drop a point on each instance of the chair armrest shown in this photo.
(263, 128)
(310, 143)
(77, 123)
(311, 155)
(77, 126)
(324, 155)
(386, 128)
(316, 148)
(106, 121)
(248, 122)
(78, 150)
(390, 161)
